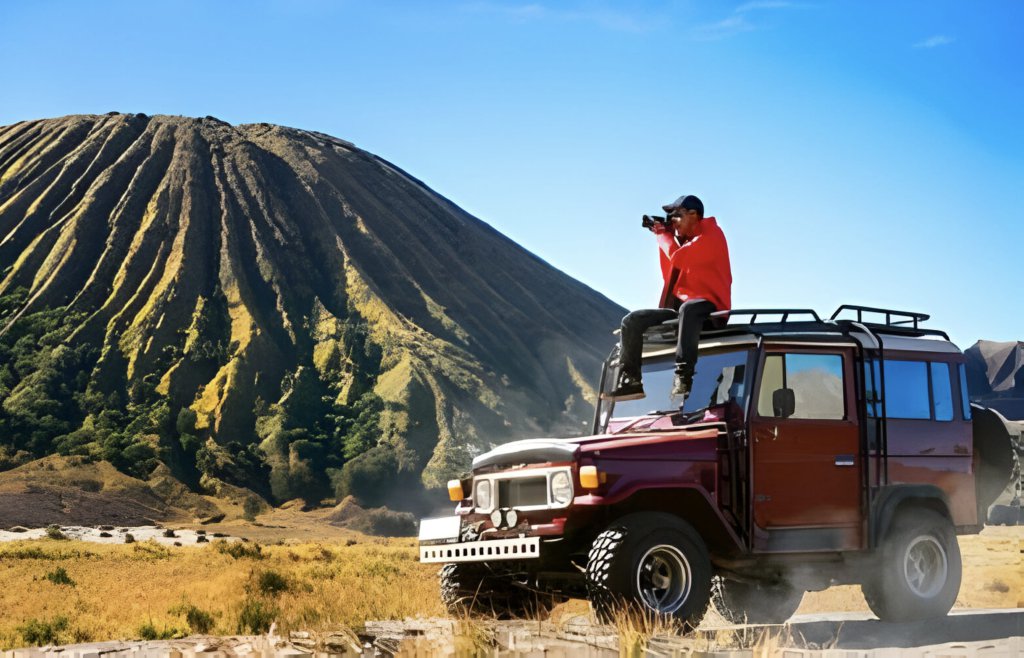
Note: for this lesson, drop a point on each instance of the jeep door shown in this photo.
(806, 454)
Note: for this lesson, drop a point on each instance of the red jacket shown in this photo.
(698, 269)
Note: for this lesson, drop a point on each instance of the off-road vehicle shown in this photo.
(810, 453)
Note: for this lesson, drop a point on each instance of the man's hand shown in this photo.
(660, 228)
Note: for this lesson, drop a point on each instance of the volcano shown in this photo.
(269, 307)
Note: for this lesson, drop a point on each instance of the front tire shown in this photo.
(755, 603)
(919, 570)
(650, 563)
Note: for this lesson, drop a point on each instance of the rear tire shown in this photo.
(470, 589)
(755, 603)
(919, 570)
(649, 563)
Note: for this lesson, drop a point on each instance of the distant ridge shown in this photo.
(995, 376)
(269, 307)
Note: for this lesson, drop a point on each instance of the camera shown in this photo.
(649, 221)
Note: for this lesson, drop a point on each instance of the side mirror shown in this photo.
(783, 402)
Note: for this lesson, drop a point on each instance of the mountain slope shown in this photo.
(260, 304)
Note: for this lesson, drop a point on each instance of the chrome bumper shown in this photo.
(517, 548)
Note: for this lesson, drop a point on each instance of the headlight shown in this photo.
(561, 488)
(482, 495)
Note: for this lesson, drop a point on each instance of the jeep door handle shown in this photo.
(845, 460)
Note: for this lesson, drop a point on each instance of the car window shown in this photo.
(816, 381)
(965, 400)
(718, 379)
(942, 391)
(906, 390)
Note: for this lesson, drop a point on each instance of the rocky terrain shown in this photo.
(268, 307)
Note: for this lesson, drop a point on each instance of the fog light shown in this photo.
(589, 477)
(511, 518)
(496, 518)
(455, 490)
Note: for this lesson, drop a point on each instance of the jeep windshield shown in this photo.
(721, 378)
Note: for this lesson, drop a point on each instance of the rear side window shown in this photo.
(917, 390)
(815, 379)
(906, 390)
(942, 391)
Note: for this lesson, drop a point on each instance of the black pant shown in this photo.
(692, 315)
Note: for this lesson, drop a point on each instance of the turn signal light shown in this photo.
(455, 490)
(589, 477)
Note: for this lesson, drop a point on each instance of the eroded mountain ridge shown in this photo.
(270, 307)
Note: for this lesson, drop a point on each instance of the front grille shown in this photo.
(523, 492)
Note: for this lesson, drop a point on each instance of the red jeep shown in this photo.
(810, 453)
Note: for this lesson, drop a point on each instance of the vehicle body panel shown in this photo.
(807, 472)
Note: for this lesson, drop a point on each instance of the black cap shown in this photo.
(686, 202)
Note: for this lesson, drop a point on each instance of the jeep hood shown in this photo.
(539, 451)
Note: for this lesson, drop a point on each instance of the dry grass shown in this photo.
(636, 628)
(127, 591)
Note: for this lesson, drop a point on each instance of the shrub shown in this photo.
(148, 631)
(59, 577)
(150, 550)
(37, 632)
(238, 550)
(385, 522)
(31, 553)
(271, 582)
(54, 532)
(256, 616)
(369, 477)
(250, 508)
(199, 621)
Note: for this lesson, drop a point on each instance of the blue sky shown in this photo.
(859, 152)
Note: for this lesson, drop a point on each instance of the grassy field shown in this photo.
(77, 592)
(65, 591)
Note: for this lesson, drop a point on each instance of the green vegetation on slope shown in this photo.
(49, 405)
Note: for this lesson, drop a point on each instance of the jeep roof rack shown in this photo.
(754, 312)
(792, 319)
(910, 317)
(906, 323)
(803, 320)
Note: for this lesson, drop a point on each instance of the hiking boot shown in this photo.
(681, 385)
(629, 387)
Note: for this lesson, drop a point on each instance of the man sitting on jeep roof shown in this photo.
(697, 282)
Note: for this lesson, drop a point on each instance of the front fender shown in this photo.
(690, 502)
